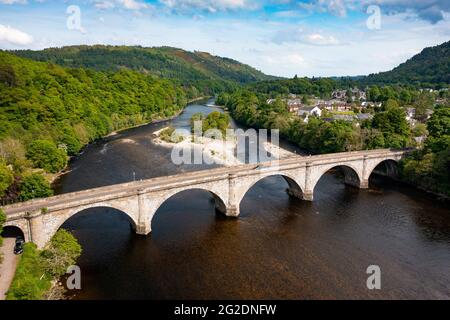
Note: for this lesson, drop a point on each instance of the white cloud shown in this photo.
(321, 40)
(428, 10)
(127, 4)
(293, 60)
(104, 5)
(335, 7)
(299, 35)
(13, 1)
(133, 5)
(208, 5)
(14, 36)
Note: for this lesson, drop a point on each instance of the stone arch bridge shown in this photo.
(39, 219)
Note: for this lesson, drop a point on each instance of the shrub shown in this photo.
(46, 155)
(2, 222)
(62, 252)
(37, 268)
(169, 135)
(6, 178)
(30, 281)
(34, 186)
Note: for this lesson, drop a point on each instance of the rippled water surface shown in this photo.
(278, 248)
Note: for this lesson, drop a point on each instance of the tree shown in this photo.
(8, 75)
(73, 145)
(373, 94)
(424, 102)
(6, 178)
(339, 136)
(439, 130)
(305, 100)
(214, 120)
(390, 104)
(62, 252)
(372, 138)
(392, 123)
(2, 222)
(419, 130)
(12, 152)
(46, 155)
(349, 96)
(34, 186)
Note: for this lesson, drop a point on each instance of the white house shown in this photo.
(306, 112)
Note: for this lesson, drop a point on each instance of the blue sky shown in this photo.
(279, 37)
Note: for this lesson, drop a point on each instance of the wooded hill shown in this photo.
(430, 68)
(199, 71)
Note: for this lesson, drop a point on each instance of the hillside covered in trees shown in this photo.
(48, 112)
(198, 71)
(430, 68)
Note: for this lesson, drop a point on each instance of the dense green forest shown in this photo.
(48, 112)
(430, 68)
(320, 87)
(198, 72)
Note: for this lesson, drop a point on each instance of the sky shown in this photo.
(279, 37)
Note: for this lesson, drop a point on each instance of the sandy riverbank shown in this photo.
(216, 151)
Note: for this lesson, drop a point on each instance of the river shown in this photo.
(279, 248)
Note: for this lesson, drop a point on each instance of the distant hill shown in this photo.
(431, 67)
(189, 68)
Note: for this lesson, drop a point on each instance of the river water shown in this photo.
(279, 248)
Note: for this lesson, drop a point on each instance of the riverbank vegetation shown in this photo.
(170, 135)
(39, 270)
(48, 113)
(213, 121)
(388, 128)
(429, 167)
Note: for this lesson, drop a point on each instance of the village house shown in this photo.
(306, 112)
(344, 117)
(294, 105)
(364, 116)
(410, 114)
(356, 95)
(339, 94)
(371, 104)
(341, 107)
(333, 105)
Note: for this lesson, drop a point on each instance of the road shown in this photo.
(8, 266)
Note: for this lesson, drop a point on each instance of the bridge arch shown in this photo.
(19, 225)
(220, 199)
(12, 231)
(295, 185)
(53, 222)
(352, 174)
(387, 167)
